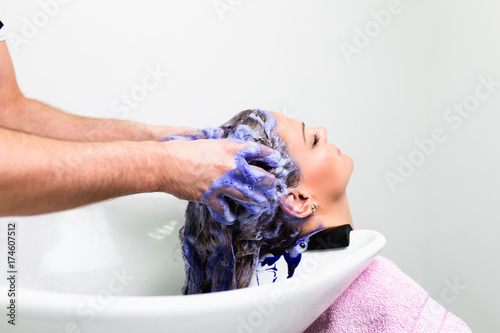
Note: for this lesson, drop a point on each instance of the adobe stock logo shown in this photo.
(223, 6)
(453, 116)
(31, 27)
(91, 307)
(372, 29)
(149, 82)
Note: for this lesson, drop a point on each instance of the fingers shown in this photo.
(232, 197)
(248, 190)
(245, 191)
(262, 156)
(229, 198)
(258, 152)
(226, 209)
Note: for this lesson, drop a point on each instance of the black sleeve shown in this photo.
(2, 31)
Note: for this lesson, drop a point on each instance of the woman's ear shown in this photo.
(296, 203)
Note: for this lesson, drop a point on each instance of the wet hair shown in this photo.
(221, 257)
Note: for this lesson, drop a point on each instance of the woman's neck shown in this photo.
(332, 215)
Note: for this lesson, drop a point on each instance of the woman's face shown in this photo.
(325, 170)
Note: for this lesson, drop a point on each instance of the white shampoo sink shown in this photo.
(116, 266)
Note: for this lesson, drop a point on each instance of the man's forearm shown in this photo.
(42, 175)
(34, 117)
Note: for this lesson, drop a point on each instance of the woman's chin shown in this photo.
(349, 163)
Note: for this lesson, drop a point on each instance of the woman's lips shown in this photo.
(340, 153)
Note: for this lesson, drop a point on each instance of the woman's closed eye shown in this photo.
(316, 139)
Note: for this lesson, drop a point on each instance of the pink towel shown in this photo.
(384, 299)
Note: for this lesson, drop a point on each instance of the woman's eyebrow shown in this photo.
(303, 131)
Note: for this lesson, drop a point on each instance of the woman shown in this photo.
(222, 247)
(221, 252)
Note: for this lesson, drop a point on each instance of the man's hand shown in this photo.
(200, 164)
(246, 191)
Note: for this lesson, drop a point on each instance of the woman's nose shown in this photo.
(324, 133)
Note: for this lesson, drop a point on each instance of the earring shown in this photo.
(314, 208)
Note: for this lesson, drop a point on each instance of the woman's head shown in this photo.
(325, 171)
(222, 257)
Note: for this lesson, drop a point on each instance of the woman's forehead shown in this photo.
(290, 129)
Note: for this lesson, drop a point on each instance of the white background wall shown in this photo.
(441, 222)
